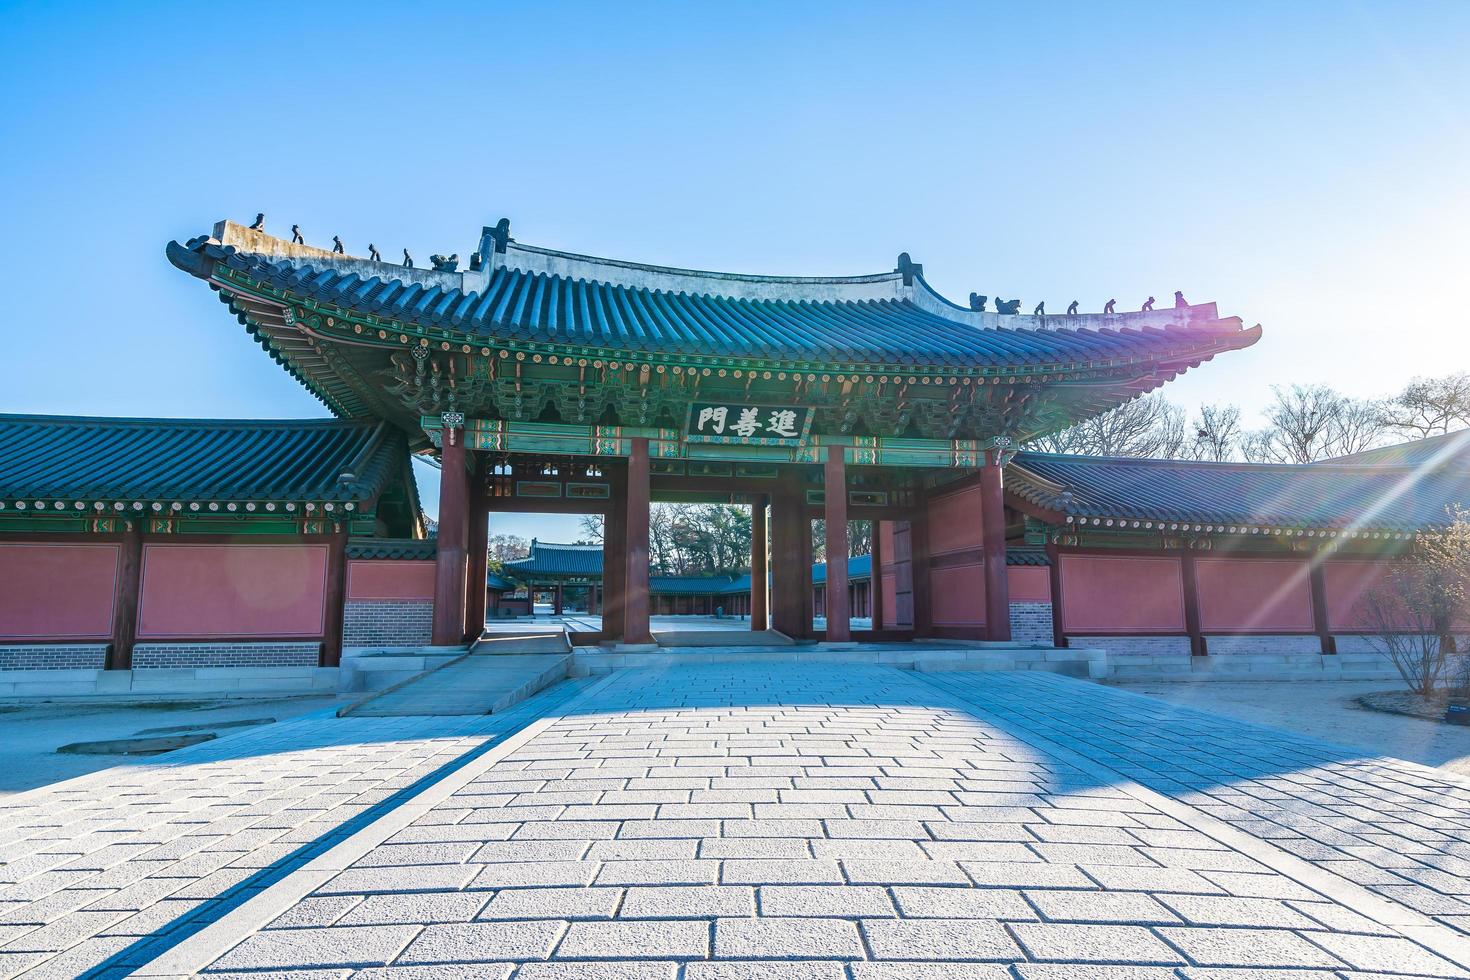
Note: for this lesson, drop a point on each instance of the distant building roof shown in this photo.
(1341, 495)
(71, 459)
(1451, 450)
(547, 558)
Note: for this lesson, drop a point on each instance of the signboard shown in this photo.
(748, 425)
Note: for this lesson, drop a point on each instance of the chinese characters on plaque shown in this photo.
(758, 424)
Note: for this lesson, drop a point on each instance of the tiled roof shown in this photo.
(498, 583)
(1242, 495)
(558, 559)
(70, 458)
(886, 319)
(860, 567)
(1451, 450)
(698, 584)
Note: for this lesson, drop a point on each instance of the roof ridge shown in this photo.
(125, 420)
(1244, 465)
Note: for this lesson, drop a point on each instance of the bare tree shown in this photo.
(592, 528)
(1150, 427)
(1431, 406)
(1217, 434)
(508, 547)
(1411, 613)
(1306, 423)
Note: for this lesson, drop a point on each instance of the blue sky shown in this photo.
(1302, 164)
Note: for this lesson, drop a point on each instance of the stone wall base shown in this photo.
(1226, 646)
(53, 656)
(387, 624)
(165, 656)
(164, 683)
(1031, 622)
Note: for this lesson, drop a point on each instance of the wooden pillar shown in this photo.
(758, 550)
(919, 570)
(1320, 624)
(336, 597)
(875, 577)
(1054, 561)
(790, 561)
(479, 558)
(449, 567)
(557, 599)
(635, 575)
(1191, 607)
(614, 542)
(838, 598)
(993, 544)
(125, 599)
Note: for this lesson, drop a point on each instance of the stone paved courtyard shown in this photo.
(722, 822)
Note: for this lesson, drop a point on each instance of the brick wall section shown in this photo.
(1031, 622)
(156, 656)
(1224, 646)
(54, 656)
(386, 624)
(1125, 645)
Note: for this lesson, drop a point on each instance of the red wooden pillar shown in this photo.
(993, 544)
(449, 566)
(875, 577)
(919, 570)
(479, 556)
(1320, 625)
(635, 574)
(838, 598)
(614, 543)
(1058, 630)
(125, 599)
(557, 597)
(758, 582)
(336, 597)
(1191, 607)
(791, 558)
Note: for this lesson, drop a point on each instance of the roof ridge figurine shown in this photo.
(445, 263)
(1108, 306)
(977, 302)
(337, 248)
(259, 224)
(1072, 308)
(1148, 305)
(1007, 306)
(407, 260)
(373, 254)
(296, 238)
(1040, 309)
(1179, 301)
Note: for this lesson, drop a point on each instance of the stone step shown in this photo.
(721, 638)
(496, 674)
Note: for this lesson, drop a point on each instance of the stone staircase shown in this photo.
(720, 638)
(497, 672)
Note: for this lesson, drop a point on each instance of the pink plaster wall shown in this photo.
(1029, 584)
(1254, 595)
(238, 590)
(1107, 594)
(957, 595)
(390, 581)
(954, 522)
(57, 591)
(1347, 583)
